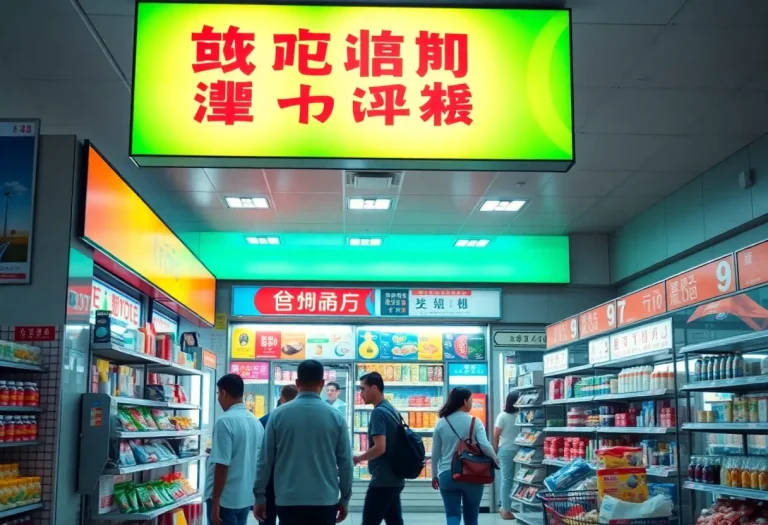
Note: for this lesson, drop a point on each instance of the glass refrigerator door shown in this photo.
(284, 373)
(473, 376)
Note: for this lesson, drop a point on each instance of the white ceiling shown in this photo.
(664, 89)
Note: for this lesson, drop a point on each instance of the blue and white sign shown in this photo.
(463, 374)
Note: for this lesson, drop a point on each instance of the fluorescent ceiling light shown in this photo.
(509, 205)
(247, 202)
(471, 243)
(365, 241)
(263, 240)
(370, 204)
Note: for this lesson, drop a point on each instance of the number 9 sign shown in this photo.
(724, 274)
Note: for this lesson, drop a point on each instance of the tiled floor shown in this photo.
(426, 519)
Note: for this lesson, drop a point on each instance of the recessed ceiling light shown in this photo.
(508, 205)
(471, 243)
(263, 240)
(365, 241)
(369, 204)
(247, 202)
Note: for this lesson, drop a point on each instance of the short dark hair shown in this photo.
(334, 384)
(232, 384)
(310, 372)
(509, 405)
(374, 379)
(289, 392)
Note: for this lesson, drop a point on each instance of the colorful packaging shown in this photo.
(626, 484)
(619, 457)
(568, 476)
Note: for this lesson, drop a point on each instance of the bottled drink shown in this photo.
(697, 369)
(729, 367)
(699, 473)
(692, 469)
(707, 473)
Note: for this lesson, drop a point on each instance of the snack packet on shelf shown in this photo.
(125, 420)
(619, 457)
(626, 484)
(147, 417)
(161, 419)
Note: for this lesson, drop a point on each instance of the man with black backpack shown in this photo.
(394, 454)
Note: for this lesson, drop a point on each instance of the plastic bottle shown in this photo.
(729, 367)
(20, 430)
(697, 369)
(699, 472)
(33, 428)
(723, 367)
(738, 367)
(707, 473)
(692, 469)
(717, 368)
(711, 369)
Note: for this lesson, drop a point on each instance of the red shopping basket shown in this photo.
(581, 507)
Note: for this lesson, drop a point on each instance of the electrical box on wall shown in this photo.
(746, 178)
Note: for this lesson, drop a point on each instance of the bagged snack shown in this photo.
(126, 455)
(133, 499)
(142, 455)
(164, 449)
(160, 488)
(615, 509)
(145, 500)
(626, 484)
(161, 419)
(188, 447)
(619, 457)
(157, 501)
(175, 489)
(147, 417)
(137, 418)
(159, 392)
(668, 490)
(125, 420)
(121, 499)
(568, 476)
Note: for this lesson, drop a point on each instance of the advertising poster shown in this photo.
(250, 371)
(292, 342)
(479, 407)
(468, 347)
(126, 311)
(18, 166)
(418, 344)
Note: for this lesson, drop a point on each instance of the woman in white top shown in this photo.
(444, 444)
(504, 433)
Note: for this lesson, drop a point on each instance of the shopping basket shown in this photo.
(581, 507)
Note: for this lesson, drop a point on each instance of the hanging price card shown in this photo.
(702, 283)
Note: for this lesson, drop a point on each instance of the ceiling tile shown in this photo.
(293, 181)
(694, 153)
(174, 179)
(599, 65)
(538, 230)
(113, 7)
(447, 182)
(741, 113)
(611, 212)
(191, 226)
(423, 229)
(553, 211)
(291, 202)
(586, 101)
(428, 218)
(299, 215)
(476, 230)
(358, 217)
(499, 219)
(244, 182)
(653, 12)
(651, 111)
(239, 215)
(367, 229)
(463, 204)
(579, 183)
(512, 184)
(653, 183)
(734, 13)
(169, 200)
(614, 152)
(117, 34)
(310, 228)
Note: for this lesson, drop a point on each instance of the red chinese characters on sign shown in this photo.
(563, 332)
(597, 320)
(701, 283)
(34, 333)
(305, 100)
(268, 344)
(314, 301)
(448, 52)
(250, 371)
(388, 102)
(753, 265)
(382, 60)
(451, 104)
(285, 52)
(441, 292)
(645, 303)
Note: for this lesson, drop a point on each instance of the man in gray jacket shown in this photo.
(307, 446)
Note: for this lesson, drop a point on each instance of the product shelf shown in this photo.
(529, 518)
(524, 388)
(727, 491)
(118, 354)
(401, 409)
(131, 401)
(20, 444)
(20, 410)
(534, 503)
(20, 510)
(648, 394)
(12, 365)
(527, 464)
(568, 401)
(169, 434)
(174, 369)
(152, 466)
(651, 358)
(635, 430)
(536, 405)
(659, 472)
(555, 462)
(414, 383)
(738, 384)
(147, 516)
(574, 370)
(571, 430)
(531, 483)
(738, 344)
(727, 428)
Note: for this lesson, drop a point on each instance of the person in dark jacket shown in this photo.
(287, 393)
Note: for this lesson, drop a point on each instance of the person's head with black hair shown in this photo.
(332, 389)
(231, 389)
(287, 393)
(309, 377)
(372, 388)
(459, 399)
(509, 405)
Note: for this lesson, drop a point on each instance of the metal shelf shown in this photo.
(123, 356)
(643, 359)
(662, 472)
(170, 434)
(20, 510)
(667, 392)
(568, 401)
(523, 388)
(555, 462)
(727, 491)
(529, 518)
(174, 369)
(531, 483)
(727, 385)
(738, 344)
(635, 430)
(571, 430)
(570, 371)
(20, 444)
(146, 516)
(401, 409)
(21, 410)
(534, 503)
(151, 466)
(12, 365)
(727, 428)
(531, 464)
(131, 401)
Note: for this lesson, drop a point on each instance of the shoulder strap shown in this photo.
(471, 438)
(395, 414)
(457, 434)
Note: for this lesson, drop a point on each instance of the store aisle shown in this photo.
(425, 519)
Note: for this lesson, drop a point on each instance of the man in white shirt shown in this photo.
(333, 390)
(237, 437)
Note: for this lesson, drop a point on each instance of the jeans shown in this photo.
(455, 493)
(309, 515)
(228, 516)
(383, 503)
(507, 476)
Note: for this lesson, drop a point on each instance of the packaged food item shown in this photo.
(568, 476)
(121, 499)
(126, 455)
(147, 417)
(152, 491)
(668, 490)
(625, 484)
(161, 419)
(125, 420)
(619, 457)
(137, 418)
(133, 499)
(145, 500)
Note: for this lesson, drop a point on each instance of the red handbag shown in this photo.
(469, 463)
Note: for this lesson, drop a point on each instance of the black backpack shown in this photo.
(408, 457)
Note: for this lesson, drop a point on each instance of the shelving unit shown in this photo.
(20, 510)
(147, 516)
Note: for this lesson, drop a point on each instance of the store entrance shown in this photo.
(338, 391)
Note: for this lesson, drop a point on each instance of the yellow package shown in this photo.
(397, 370)
(626, 484)
(619, 457)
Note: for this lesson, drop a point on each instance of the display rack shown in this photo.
(101, 434)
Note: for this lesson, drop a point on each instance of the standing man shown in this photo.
(382, 502)
(237, 436)
(287, 393)
(307, 446)
(332, 390)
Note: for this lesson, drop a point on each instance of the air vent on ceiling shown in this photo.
(373, 180)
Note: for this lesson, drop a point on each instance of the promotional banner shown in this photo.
(651, 337)
(451, 303)
(18, 168)
(641, 305)
(702, 283)
(511, 338)
(564, 332)
(121, 225)
(467, 374)
(126, 311)
(294, 342)
(597, 320)
(264, 85)
(753, 265)
(162, 324)
(419, 344)
(250, 371)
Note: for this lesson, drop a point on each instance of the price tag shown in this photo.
(651, 337)
(702, 283)
(600, 350)
(556, 361)
(564, 332)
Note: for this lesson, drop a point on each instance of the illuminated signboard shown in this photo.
(121, 225)
(352, 87)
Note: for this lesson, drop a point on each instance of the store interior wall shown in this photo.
(709, 216)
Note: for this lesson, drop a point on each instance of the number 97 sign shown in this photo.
(702, 283)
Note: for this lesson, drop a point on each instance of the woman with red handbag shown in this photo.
(462, 457)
